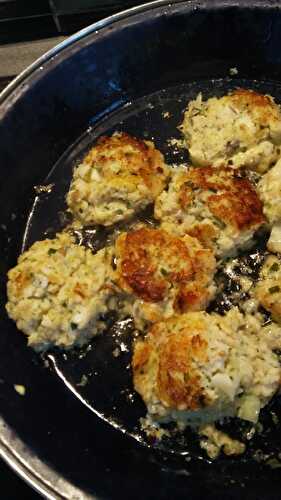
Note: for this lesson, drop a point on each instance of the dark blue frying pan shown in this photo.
(70, 439)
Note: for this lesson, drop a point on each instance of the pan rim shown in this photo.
(79, 35)
(17, 454)
(33, 470)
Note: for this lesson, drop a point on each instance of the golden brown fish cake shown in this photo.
(174, 357)
(119, 176)
(242, 128)
(164, 273)
(198, 367)
(217, 206)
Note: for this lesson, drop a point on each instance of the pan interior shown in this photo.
(100, 374)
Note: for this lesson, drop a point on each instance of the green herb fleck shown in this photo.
(84, 380)
(274, 289)
(219, 223)
(73, 326)
(51, 251)
(274, 267)
(189, 184)
(164, 271)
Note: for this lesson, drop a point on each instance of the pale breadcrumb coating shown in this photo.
(59, 291)
(120, 176)
(242, 128)
(268, 288)
(269, 189)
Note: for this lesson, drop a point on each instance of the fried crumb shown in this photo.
(43, 188)
(116, 352)
(20, 389)
(84, 381)
(215, 441)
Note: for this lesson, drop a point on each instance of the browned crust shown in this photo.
(251, 97)
(168, 356)
(240, 207)
(21, 280)
(205, 232)
(106, 145)
(151, 262)
(81, 290)
(141, 355)
(234, 200)
(260, 105)
(144, 160)
(189, 296)
(141, 251)
(178, 384)
(247, 97)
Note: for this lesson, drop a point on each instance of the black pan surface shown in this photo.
(80, 413)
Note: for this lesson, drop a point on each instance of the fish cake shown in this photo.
(163, 274)
(59, 291)
(198, 367)
(242, 129)
(120, 176)
(217, 206)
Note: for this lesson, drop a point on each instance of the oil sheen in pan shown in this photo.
(100, 374)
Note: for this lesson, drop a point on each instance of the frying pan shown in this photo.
(76, 433)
